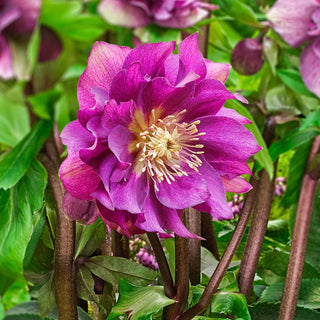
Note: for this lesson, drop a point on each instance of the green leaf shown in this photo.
(226, 302)
(238, 10)
(16, 162)
(89, 237)
(43, 103)
(16, 207)
(139, 303)
(112, 269)
(309, 294)
(153, 33)
(293, 80)
(14, 121)
(268, 311)
(15, 294)
(46, 297)
(271, 51)
(262, 156)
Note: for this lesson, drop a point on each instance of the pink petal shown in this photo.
(237, 184)
(123, 13)
(218, 71)
(6, 67)
(105, 61)
(230, 113)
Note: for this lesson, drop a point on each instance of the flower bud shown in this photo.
(246, 57)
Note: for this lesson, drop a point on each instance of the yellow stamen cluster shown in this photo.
(166, 145)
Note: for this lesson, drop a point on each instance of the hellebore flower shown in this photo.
(166, 13)
(299, 21)
(17, 17)
(153, 138)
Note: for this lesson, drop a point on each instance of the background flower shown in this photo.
(297, 22)
(153, 138)
(166, 13)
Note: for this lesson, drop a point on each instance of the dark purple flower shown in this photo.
(166, 13)
(16, 17)
(299, 21)
(153, 138)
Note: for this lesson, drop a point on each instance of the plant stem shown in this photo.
(120, 245)
(64, 268)
(207, 232)
(225, 260)
(299, 239)
(259, 221)
(166, 276)
(193, 224)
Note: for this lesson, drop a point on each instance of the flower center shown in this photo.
(167, 145)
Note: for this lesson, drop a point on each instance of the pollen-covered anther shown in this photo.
(167, 145)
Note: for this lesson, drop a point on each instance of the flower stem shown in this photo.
(207, 232)
(299, 239)
(193, 224)
(163, 265)
(120, 245)
(64, 268)
(225, 260)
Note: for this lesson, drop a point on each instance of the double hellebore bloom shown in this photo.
(153, 138)
(298, 21)
(166, 13)
(17, 17)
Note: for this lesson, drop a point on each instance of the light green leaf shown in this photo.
(263, 156)
(226, 302)
(16, 162)
(139, 303)
(112, 269)
(17, 293)
(270, 51)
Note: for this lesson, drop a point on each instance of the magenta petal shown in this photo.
(237, 184)
(76, 137)
(8, 14)
(151, 56)
(174, 69)
(124, 86)
(231, 168)
(191, 56)
(292, 22)
(123, 13)
(226, 139)
(230, 113)
(310, 66)
(6, 66)
(103, 197)
(105, 61)
(217, 203)
(29, 12)
(218, 71)
(119, 140)
(80, 210)
(78, 178)
(185, 192)
(130, 194)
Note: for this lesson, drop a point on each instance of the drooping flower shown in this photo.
(17, 17)
(280, 186)
(166, 13)
(153, 138)
(297, 22)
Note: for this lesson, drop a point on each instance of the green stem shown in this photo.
(299, 239)
(120, 245)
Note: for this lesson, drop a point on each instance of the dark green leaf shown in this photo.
(112, 269)
(293, 80)
(262, 156)
(46, 297)
(226, 302)
(139, 303)
(15, 163)
(268, 311)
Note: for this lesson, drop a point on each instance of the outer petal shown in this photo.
(237, 184)
(8, 14)
(230, 168)
(29, 12)
(230, 113)
(185, 192)
(216, 203)
(292, 21)
(123, 13)
(105, 61)
(218, 71)
(78, 178)
(6, 67)
(226, 139)
(310, 66)
(151, 56)
(130, 195)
